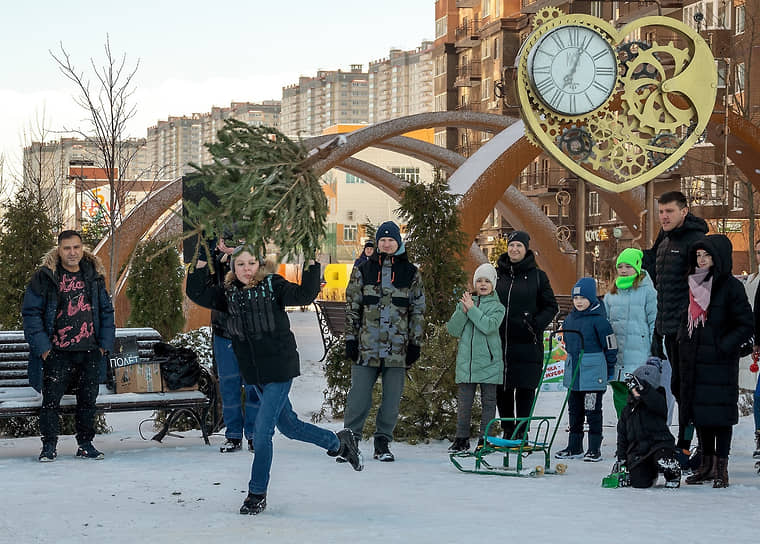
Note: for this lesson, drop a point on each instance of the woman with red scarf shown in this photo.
(718, 320)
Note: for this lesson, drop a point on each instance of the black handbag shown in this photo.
(179, 366)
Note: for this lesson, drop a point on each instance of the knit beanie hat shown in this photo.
(519, 236)
(239, 250)
(487, 271)
(369, 243)
(630, 256)
(389, 229)
(648, 373)
(586, 287)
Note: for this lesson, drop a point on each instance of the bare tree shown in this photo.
(43, 173)
(106, 95)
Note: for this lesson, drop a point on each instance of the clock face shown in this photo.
(572, 69)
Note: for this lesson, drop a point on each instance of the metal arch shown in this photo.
(743, 143)
(368, 136)
(137, 222)
(388, 183)
(424, 151)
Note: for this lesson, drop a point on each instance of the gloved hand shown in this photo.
(412, 354)
(352, 350)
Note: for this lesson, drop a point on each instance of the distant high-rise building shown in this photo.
(401, 84)
(178, 141)
(69, 174)
(333, 97)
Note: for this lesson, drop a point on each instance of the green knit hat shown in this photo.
(631, 256)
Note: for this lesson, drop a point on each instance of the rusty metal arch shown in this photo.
(368, 136)
(137, 222)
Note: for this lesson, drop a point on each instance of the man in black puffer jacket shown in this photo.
(680, 229)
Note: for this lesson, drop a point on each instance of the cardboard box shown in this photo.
(130, 375)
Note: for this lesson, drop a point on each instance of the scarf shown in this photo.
(699, 298)
(625, 282)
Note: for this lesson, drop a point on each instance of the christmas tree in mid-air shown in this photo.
(264, 192)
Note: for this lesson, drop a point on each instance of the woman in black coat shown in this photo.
(718, 320)
(526, 293)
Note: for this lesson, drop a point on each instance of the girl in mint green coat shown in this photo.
(476, 322)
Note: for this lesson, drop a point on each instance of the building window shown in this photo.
(593, 203)
(495, 222)
(596, 9)
(441, 27)
(739, 78)
(613, 215)
(486, 10)
(738, 203)
(497, 8)
(545, 209)
(721, 65)
(485, 89)
(740, 13)
(407, 174)
(496, 48)
(349, 233)
(350, 178)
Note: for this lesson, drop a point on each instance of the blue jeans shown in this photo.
(236, 418)
(756, 406)
(275, 410)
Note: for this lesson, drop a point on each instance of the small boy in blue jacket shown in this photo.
(597, 366)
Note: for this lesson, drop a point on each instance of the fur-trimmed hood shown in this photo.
(267, 267)
(51, 260)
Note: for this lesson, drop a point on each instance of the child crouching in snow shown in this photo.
(476, 323)
(645, 445)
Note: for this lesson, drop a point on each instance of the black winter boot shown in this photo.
(48, 452)
(383, 453)
(756, 454)
(705, 472)
(459, 445)
(348, 451)
(254, 504)
(231, 445)
(574, 449)
(721, 472)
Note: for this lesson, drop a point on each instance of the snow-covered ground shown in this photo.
(184, 491)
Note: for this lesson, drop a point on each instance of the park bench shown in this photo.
(18, 398)
(331, 317)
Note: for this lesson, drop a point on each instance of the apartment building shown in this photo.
(178, 141)
(330, 98)
(69, 175)
(401, 84)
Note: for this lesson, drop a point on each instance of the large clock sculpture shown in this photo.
(612, 108)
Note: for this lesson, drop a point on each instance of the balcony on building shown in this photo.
(468, 106)
(468, 3)
(543, 181)
(468, 73)
(467, 34)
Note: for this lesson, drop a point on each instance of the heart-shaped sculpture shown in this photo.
(616, 112)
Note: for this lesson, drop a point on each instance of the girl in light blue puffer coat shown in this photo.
(631, 308)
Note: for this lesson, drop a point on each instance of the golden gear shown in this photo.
(546, 15)
(619, 148)
(549, 24)
(643, 97)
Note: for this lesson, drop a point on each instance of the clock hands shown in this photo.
(568, 79)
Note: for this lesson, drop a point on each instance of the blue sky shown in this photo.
(193, 54)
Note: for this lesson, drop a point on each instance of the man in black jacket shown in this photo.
(69, 325)
(680, 229)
